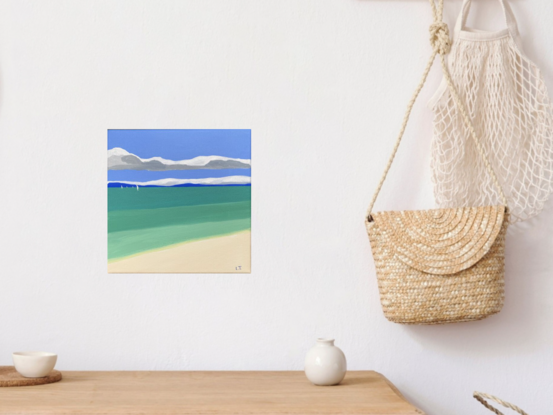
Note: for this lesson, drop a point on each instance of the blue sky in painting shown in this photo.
(182, 144)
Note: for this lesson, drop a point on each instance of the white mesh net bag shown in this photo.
(507, 100)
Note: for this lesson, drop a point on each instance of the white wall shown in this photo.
(323, 85)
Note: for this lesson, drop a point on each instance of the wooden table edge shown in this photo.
(67, 377)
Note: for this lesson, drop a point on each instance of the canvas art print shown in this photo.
(179, 201)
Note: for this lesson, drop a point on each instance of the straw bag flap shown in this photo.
(439, 241)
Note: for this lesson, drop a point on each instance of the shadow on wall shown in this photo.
(528, 263)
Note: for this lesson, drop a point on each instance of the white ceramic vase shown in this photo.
(325, 364)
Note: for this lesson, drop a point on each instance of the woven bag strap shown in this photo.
(441, 45)
(481, 397)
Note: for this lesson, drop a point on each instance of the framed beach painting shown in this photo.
(179, 201)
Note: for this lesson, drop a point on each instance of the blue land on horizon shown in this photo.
(119, 185)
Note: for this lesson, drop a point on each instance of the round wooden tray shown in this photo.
(10, 377)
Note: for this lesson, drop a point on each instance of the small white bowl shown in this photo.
(34, 364)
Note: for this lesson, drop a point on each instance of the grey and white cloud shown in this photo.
(208, 181)
(120, 159)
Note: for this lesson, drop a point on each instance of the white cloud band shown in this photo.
(176, 182)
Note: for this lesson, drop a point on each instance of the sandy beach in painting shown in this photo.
(223, 254)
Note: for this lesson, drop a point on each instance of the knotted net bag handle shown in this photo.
(441, 45)
(481, 397)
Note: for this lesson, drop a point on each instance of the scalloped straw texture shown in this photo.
(439, 266)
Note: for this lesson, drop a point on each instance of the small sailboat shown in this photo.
(137, 188)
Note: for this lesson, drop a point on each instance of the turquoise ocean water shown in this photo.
(154, 217)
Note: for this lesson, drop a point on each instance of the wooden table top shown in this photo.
(213, 393)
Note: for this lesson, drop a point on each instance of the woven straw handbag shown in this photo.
(482, 397)
(443, 265)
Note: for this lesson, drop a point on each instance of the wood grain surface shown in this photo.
(10, 377)
(213, 393)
